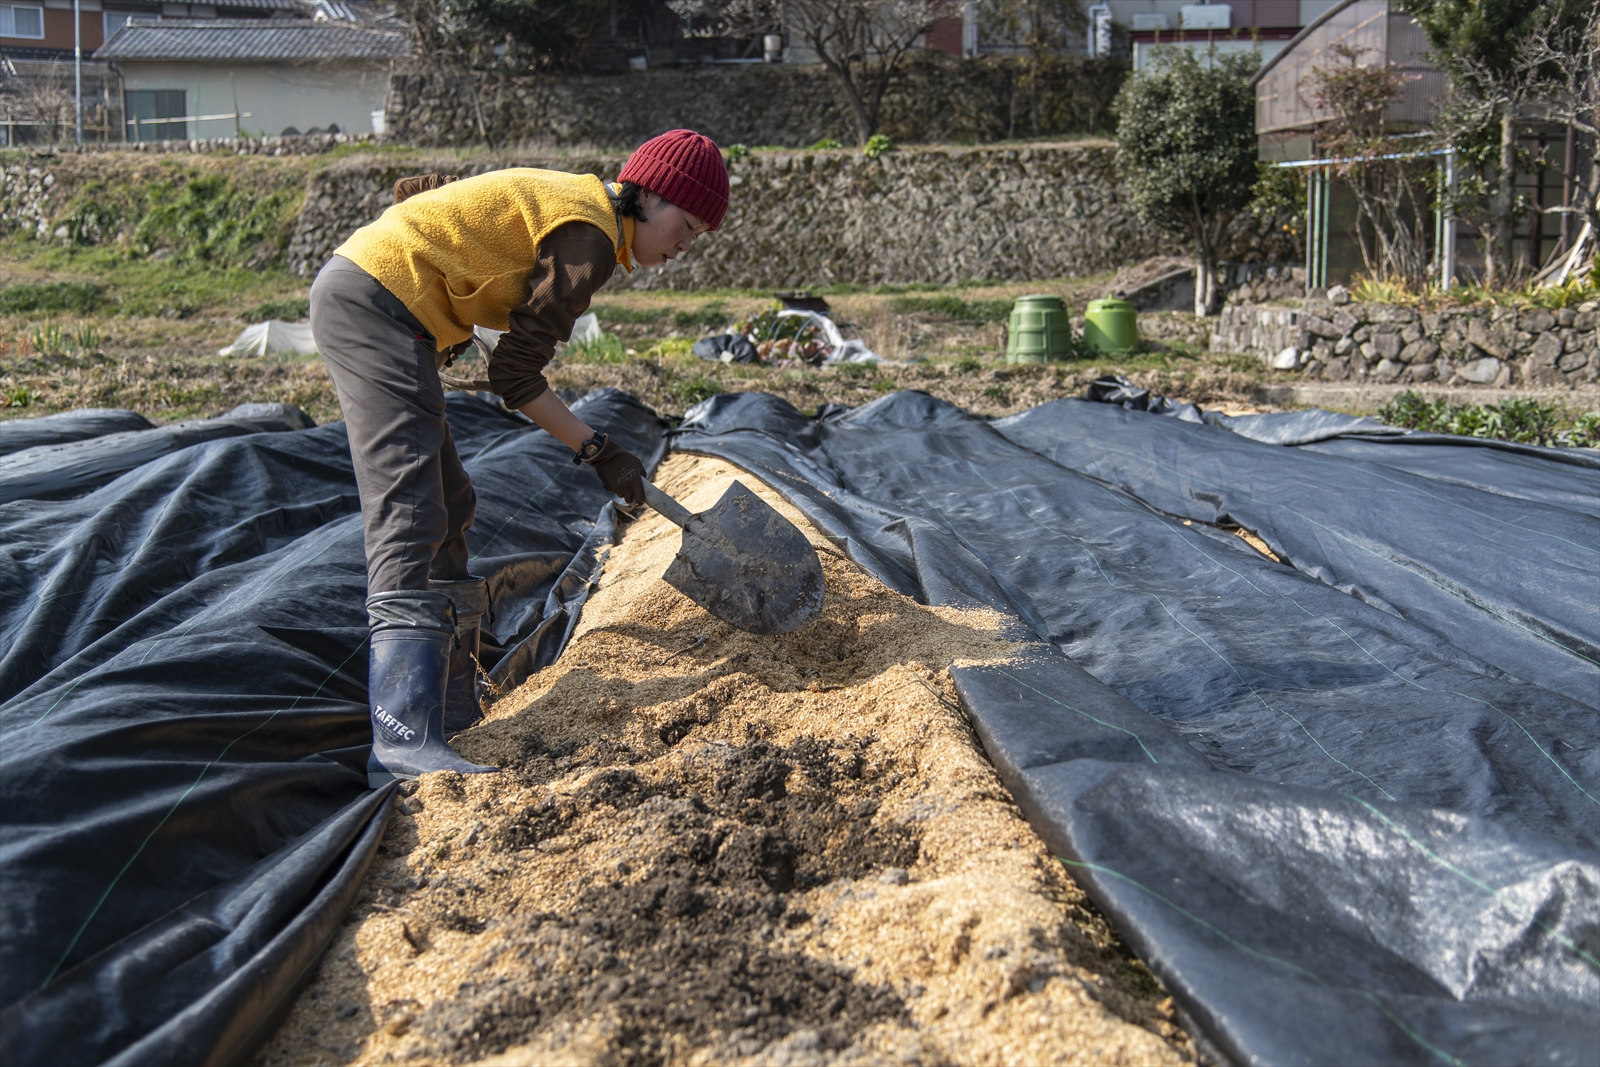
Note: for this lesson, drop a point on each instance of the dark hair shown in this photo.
(627, 201)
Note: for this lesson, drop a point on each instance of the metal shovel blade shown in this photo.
(743, 562)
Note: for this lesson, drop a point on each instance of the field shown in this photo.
(109, 328)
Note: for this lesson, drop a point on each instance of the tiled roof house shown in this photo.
(213, 77)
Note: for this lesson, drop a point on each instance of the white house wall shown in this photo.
(276, 96)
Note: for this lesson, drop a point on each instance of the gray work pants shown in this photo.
(416, 500)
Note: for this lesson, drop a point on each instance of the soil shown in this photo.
(708, 846)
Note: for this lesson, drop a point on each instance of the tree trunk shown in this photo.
(1502, 226)
(865, 122)
(858, 106)
(1011, 103)
(1205, 283)
(1033, 94)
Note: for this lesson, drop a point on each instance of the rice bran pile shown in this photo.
(709, 847)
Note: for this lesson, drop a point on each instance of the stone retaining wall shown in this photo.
(314, 144)
(1349, 341)
(817, 218)
(937, 99)
(1257, 283)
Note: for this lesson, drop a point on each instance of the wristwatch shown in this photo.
(590, 449)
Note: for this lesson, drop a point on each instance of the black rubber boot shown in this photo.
(471, 600)
(408, 671)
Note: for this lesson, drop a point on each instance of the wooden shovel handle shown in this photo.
(674, 512)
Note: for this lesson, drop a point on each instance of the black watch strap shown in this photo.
(590, 449)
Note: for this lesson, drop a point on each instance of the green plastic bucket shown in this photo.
(1040, 330)
(1110, 326)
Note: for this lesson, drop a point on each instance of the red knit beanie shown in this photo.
(685, 168)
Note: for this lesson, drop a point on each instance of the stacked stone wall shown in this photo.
(940, 215)
(1352, 341)
(314, 144)
(937, 99)
(1257, 283)
(798, 218)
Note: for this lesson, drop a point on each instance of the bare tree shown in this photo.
(863, 43)
(727, 18)
(1564, 62)
(1390, 189)
(1485, 51)
(1479, 120)
(42, 100)
(1041, 28)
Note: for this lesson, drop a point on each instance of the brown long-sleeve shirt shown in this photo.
(574, 261)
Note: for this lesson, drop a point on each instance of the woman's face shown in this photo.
(666, 235)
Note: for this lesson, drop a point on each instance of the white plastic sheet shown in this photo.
(273, 338)
(852, 350)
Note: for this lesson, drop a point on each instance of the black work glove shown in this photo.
(619, 470)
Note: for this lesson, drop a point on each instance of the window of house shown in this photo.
(21, 21)
(145, 105)
(115, 20)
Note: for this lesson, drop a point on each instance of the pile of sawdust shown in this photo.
(713, 847)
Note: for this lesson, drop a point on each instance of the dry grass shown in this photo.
(166, 368)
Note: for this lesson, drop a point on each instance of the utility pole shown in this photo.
(77, 65)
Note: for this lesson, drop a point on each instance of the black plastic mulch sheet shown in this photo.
(1511, 577)
(184, 816)
(73, 467)
(1340, 834)
(58, 429)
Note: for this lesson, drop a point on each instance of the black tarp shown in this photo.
(1337, 834)
(74, 466)
(183, 807)
(1336, 812)
(58, 429)
(1564, 477)
(1511, 580)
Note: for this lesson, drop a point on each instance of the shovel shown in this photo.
(743, 562)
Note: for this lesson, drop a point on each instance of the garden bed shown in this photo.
(712, 847)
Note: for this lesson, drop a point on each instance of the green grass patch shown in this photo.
(212, 217)
(233, 212)
(637, 316)
(55, 341)
(692, 389)
(18, 397)
(26, 297)
(607, 348)
(133, 285)
(951, 306)
(1525, 421)
(294, 309)
(671, 348)
(711, 317)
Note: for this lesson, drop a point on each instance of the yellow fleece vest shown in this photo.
(460, 255)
